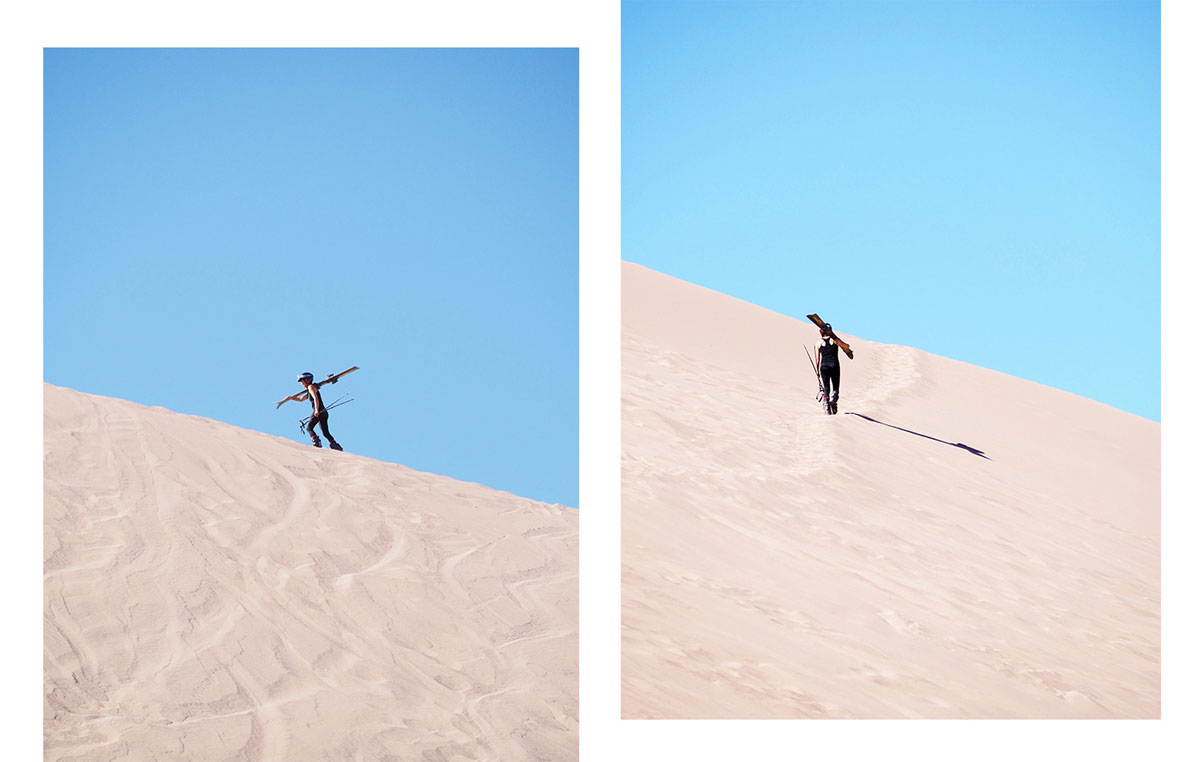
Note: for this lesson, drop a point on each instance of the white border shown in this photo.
(593, 26)
(1180, 410)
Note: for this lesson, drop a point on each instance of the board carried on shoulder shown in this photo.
(303, 395)
(822, 325)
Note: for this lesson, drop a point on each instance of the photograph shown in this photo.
(890, 361)
(602, 380)
(311, 404)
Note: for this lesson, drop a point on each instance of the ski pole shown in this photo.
(304, 421)
(337, 403)
(820, 383)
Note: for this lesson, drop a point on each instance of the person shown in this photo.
(320, 414)
(831, 368)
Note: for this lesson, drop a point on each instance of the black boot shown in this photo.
(316, 442)
(334, 446)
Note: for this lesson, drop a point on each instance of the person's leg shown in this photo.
(312, 424)
(835, 378)
(825, 380)
(325, 430)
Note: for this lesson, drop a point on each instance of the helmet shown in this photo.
(828, 328)
(304, 376)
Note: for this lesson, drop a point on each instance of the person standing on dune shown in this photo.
(320, 414)
(831, 368)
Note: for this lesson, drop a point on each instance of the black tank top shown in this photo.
(829, 353)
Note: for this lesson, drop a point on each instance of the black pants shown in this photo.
(323, 419)
(831, 379)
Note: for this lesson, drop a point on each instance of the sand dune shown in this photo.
(957, 543)
(213, 593)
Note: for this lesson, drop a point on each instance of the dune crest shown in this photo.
(217, 593)
(956, 543)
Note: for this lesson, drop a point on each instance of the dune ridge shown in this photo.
(956, 543)
(216, 593)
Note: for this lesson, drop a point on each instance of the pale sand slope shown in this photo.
(778, 562)
(213, 593)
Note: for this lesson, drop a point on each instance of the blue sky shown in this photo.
(217, 221)
(976, 179)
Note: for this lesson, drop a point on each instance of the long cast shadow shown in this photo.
(968, 448)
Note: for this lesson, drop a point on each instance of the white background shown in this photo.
(594, 27)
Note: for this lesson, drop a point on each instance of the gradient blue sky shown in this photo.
(976, 179)
(217, 221)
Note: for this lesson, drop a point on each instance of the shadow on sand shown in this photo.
(968, 448)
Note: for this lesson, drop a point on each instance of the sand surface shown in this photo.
(213, 593)
(970, 545)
